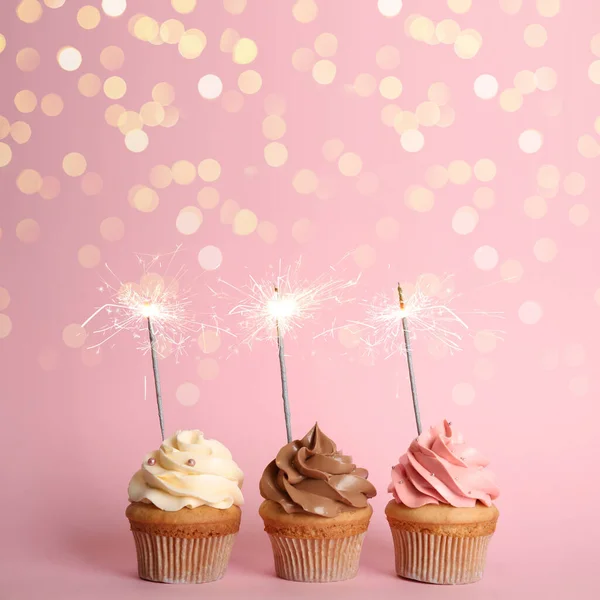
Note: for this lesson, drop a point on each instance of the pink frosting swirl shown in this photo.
(439, 468)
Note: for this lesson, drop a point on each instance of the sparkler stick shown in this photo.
(283, 371)
(156, 373)
(411, 371)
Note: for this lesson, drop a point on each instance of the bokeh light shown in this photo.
(210, 87)
(69, 58)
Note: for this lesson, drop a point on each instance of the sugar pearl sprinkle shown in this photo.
(191, 462)
(151, 462)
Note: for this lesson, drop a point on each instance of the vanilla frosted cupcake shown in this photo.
(316, 510)
(442, 516)
(184, 512)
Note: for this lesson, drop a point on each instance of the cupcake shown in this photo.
(316, 510)
(185, 510)
(442, 517)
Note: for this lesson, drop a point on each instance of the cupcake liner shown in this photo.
(442, 559)
(182, 560)
(315, 560)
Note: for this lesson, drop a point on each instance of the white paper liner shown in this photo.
(440, 559)
(316, 560)
(182, 560)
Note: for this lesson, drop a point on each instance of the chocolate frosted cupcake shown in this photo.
(442, 516)
(316, 510)
(185, 510)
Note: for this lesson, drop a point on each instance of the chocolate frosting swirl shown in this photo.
(310, 475)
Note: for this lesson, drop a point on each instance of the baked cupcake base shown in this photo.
(440, 543)
(184, 546)
(310, 548)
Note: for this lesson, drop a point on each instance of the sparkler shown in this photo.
(154, 311)
(280, 305)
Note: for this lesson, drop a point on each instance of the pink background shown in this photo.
(74, 423)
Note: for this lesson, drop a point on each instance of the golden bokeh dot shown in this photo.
(129, 121)
(465, 220)
(152, 113)
(136, 140)
(208, 369)
(276, 154)
(486, 86)
(5, 154)
(69, 58)
(387, 229)
(389, 113)
(459, 172)
(350, 164)
(405, 120)
(184, 7)
(160, 176)
(171, 116)
(459, 6)
(511, 100)
(422, 29)
(579, 214)
(486, 258)
(229, 38)
(232, 101)
(88, 17)
(249, 82)
(574, 184)
(548, 176)
(447, 116)
(113, 114)
(229, 209)
(163, 93)
(588, 147)
(209, 341)
(4, 127)
(192, 43)
(184, 172)
(28, 59)
(305, 11)
(545, 79)
(364, 256)
(303, 231)
(535, 35)
(20, 132)
(485, 169)
(29, 181)
(530, 141)
(535, 207)
(332, 149)
(545, 249)
(50, 187)
(145, 199)
(52, 105)
(234, 7)
(244, 51)
(189, 220)
(89, 256)
(28, 231)
(91, 184)
(525, 82)
(447, 31)
(114, 8)
(112, 58)
(74, 164)
(548, 8)
(412, 140)
(208, 197)
(115, 87)
(367, 184)
(274, 104)
(146, 29)
(74, 335)
(323, 71)
(326, 45)
(365, 85)
(484, 198)
(387, 57)
(439, 93)
(29, 11)
(267, 232)
(305, 181)
(303, 59)
(244, 222)
(209, 169)
(171, 31)
(112, 229)
(89, 85)
(210, 258)
(436, 177)
(25, 101)
(2, 43)
(419, 198)
(468, 43)
(511, 271)
(210, 86)
(273, 127)
(594, 72)
(428, 113)
(390, 87)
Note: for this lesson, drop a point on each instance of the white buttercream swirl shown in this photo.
(172, 484)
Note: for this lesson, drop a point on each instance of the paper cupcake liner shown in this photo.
(316, 560)
(182, 560)
(440, 559)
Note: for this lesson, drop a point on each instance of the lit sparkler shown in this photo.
(278, 306)
(155, 312)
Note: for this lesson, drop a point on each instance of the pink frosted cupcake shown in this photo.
(442, 516)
